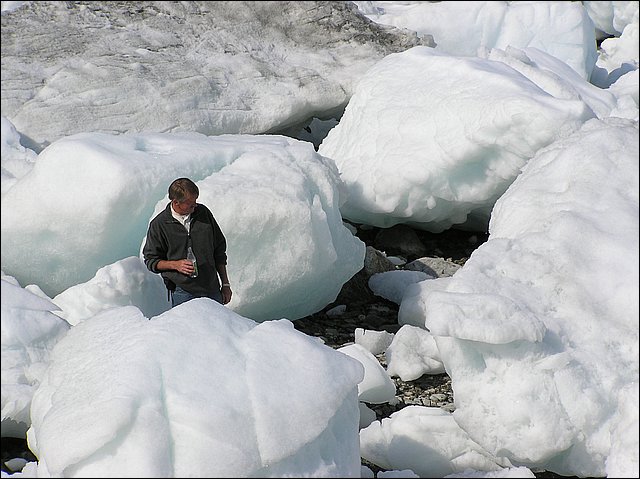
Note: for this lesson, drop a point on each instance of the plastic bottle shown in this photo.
(192, 258)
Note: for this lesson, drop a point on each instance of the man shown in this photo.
(185, 224)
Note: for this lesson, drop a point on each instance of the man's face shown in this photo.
(186, 206)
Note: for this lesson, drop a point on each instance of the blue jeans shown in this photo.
(180, 296)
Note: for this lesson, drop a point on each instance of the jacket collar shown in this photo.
(168, 217)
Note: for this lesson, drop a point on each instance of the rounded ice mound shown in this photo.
(432, 140)
(198, 391)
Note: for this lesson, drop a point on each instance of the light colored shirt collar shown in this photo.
(185, 220)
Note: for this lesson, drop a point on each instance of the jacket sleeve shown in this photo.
(155, 248)
(219, 242)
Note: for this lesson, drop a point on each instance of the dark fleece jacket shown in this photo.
(167, 239)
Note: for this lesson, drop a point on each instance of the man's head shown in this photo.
(183, 194)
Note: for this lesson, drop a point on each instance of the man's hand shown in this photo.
(226, 293)
(184, 266)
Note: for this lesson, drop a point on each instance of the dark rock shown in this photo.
(357, 288)
(400, 240)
